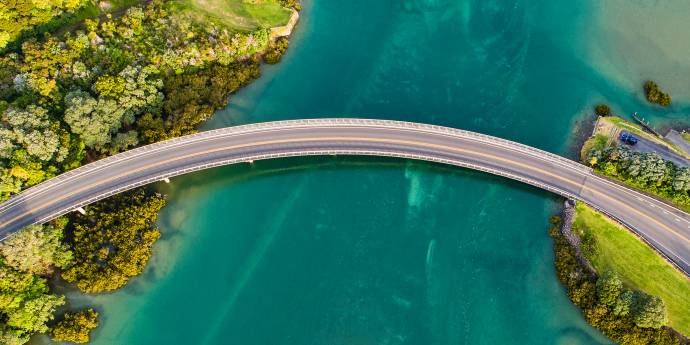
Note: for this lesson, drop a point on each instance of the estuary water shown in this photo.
(363, 251)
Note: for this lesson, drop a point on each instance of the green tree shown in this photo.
(26, 305)
(94, 120)
(32, 130)
(12, 336)
(609, 288)
(76, 327)
(34, 314)
(623, 303)
(649, 311)
(36, 249)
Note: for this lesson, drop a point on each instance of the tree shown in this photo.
(122, 141)
(32, 130)
(113, 242)
(94, 120)
(623, 303)
(655, 95)
(34, 314)
(609, 288)
(602, 110)
(19, 15)
(36, 249)
(275, 50)
(649, 311)
(76, 327)
(681, 180)
(12, 336)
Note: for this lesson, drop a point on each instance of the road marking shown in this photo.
(361, 139)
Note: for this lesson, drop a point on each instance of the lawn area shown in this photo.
(639, 266)
(242, 15)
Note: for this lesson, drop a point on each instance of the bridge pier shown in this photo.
(166, 180)
(81, 210)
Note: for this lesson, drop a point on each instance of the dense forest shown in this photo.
(66, 99)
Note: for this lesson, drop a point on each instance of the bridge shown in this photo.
(664, 227)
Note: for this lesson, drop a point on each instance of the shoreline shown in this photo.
(562, 231)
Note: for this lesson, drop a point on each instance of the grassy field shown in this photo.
(242, 15)
(639, 266)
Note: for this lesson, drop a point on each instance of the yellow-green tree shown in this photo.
(76, 327)
(19, 15)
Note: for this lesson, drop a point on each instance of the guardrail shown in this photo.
(286, 124)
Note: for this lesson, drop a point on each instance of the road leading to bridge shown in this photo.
(666, 228)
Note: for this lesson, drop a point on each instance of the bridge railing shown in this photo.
(321, 122)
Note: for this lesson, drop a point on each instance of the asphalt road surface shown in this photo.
(664, 227)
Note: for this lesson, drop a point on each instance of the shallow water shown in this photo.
(356, 251)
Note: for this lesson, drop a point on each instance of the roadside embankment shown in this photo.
(608, 293)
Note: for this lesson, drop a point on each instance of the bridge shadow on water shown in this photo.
(215, 178)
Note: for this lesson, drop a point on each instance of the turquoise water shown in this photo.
(359, 251)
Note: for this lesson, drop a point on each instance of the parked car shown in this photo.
(628, 138)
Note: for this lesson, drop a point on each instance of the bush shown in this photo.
(292, 4)
(634, 318)
(602, 110)
(76, 327)
(113, 241)
(276, 50)
(655, 95)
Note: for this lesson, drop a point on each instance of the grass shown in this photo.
(598, 142)
(241, 15)
(637, 130)
(639, 266)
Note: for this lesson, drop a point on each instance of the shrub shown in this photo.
(76, 327)
(655, 95)
(634, 317)
(276, 50)
(602, 110)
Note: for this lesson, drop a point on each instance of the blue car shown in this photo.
(628, 138)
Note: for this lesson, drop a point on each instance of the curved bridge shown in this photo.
(666, 228)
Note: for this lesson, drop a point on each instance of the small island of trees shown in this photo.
(655, 95)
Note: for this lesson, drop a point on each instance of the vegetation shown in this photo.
(276, 50)
(26, 304)
(645, 171)
(113, 241)
(598, 142)
(243, 15)
(617, 250)
(75, 327)
(109, 84)
(294, 4)
(19, 15)
(655, 95)
(629, 317)
(602, 110)
(112, 87)
(38, 249)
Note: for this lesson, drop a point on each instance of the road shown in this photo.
(664, 227)
(649, 146)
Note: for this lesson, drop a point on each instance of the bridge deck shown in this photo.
(663, 226)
